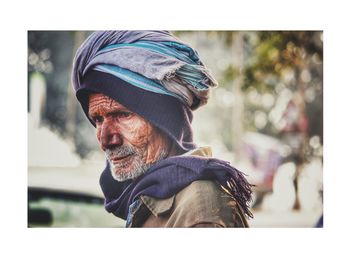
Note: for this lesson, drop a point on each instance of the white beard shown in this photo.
(130, 169)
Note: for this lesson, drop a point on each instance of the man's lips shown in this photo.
(120, 158)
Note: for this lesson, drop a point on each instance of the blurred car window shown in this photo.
(57, 208)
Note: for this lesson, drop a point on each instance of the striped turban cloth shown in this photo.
(152, 73)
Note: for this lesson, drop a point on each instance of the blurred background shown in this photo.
(266, 118)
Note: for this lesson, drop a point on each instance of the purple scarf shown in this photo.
(169, 176)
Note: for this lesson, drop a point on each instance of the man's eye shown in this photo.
(124, 114)
(97, 119)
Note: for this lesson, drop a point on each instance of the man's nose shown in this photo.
(110, 136)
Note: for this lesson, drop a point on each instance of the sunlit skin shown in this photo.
(130, 142)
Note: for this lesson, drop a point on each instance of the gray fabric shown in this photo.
(150, 64)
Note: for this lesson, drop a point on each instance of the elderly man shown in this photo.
(139, 88)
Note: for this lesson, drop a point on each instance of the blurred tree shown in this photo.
(277, 67)
(51, 54)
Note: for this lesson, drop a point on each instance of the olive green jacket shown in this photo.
(201, 204)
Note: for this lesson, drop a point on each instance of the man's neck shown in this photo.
(174, 150)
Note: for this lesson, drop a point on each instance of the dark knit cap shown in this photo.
(165, 112)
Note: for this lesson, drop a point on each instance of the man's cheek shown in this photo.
(138, 135)
(98, 135)
(137, 140)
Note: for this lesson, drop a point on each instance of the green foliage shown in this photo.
(274, 63)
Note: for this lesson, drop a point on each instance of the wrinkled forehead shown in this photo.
(98, 101)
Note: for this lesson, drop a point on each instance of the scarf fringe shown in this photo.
(236, 185)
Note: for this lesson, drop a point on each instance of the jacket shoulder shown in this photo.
(204, 203)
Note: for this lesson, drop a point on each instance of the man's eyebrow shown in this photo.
(111, 111)
(92, 115)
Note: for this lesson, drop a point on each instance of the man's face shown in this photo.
(130, 142)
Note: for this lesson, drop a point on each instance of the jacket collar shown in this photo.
(161, 206)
